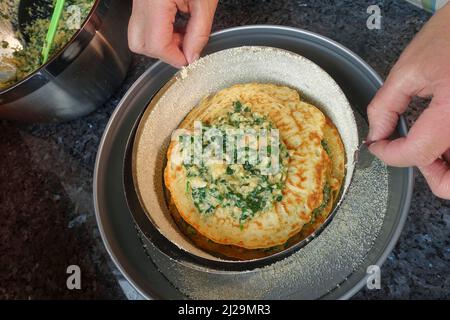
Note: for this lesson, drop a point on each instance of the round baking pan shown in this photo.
(132, 254)
(170, 106)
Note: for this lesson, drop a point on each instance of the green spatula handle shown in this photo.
(56, 16)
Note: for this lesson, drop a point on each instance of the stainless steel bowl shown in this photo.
(82, 76)
(135, 257)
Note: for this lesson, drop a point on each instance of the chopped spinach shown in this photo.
(325, 201)
(237, 106)
(240, 187)
(325, 147)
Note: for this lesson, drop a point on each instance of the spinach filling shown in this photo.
(326, 199)
(240, 187)
(326, 147)
(326, 190)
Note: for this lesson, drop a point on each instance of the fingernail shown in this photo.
(193, 58)
(370, 147)
(179, 65)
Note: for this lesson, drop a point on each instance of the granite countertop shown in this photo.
(46, 211)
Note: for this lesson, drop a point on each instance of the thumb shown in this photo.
(198, 27)
(384, 110)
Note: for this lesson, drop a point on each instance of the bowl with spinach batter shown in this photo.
(88, 59)
(24, 54)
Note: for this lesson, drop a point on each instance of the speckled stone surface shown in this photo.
(46, 212)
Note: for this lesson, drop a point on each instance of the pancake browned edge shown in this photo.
(234, 211)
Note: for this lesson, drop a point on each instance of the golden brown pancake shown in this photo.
(235, 209)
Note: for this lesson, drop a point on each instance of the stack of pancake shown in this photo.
(250, 221)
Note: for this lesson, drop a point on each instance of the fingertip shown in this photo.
(192, 57)
(178, 64)
(374, 119)
(376, 148)
(198, 29)
(385, 108)
(174, 57)
(393, 153)
(193, 46)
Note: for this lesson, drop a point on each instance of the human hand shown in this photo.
(151, 29)
(423, 70)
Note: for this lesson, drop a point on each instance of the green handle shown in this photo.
(56, 16)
